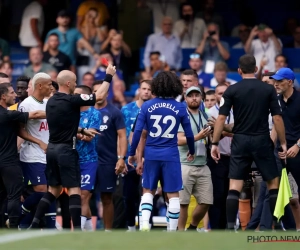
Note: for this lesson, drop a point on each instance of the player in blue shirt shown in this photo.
(88, 157)
(132, 179)
(161, 118)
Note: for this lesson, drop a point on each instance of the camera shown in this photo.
(212, 33)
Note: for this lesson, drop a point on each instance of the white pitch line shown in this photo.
(7, 238)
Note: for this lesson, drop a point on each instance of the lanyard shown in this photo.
(265, 48)
(200, 121)
(228, 117)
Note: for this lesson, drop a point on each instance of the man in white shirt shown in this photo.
(266, 47)
(220, 170)
(32, 157)
(32, 25)
(189, 29)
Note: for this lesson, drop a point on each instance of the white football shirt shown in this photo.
(38, 128)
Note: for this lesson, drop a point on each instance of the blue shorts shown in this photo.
(88, 171)
(168, 172)
(106, 178)
(34, 173)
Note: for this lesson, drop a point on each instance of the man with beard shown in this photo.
(132, 179)
(189, 29)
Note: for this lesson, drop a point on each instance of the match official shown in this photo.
(251, 100)
(63, 115)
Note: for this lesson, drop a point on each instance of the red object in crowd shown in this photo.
(104, 61)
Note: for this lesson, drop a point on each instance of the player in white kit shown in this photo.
(32, 156)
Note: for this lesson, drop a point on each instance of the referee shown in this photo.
(63, 115)
(251, 100)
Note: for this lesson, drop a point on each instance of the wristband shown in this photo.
(215, 143)
(108, 78)
(82, 130)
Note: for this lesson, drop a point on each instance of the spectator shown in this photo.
(210, 99)
(3, 77)
(161, 9)
(296, 43)
(103, 14)
(56, 58)
(117, 87)
(37, 64)
(4, 50)
(280, 62)
(212, 49)
(88, 79)
(266, 47)
(167, 44)
(68, 37)
(121, 54)
(220, 76)
(7, 68)
(53, 74)
(244, 33)
(94, 34)
(157, 64)
(32, 25)
(210, 16)
(196, 64)
(189, 29)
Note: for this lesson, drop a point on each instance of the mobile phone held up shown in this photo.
(206, 126)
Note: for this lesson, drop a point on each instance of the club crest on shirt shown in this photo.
(85, 120)
(105, 119)
(222, 101)
(86, 97)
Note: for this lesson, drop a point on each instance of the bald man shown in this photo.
(32, 157)
(63, 115)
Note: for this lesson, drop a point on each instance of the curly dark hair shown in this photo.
(166, 84)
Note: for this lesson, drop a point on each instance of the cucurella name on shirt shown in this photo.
(162, 105)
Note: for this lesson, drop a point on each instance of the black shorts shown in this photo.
(62, 166)
(245, 149)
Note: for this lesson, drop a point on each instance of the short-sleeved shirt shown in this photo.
(9, 127)
(213, 53)
(38, 128)
(112, 121)
(90, 118)
(251, 101)
(101, 8)
(161, 117)
(61, 61)
(33, 11)
(199, 160)
(46, 67)
(291, 117)
(67, 42)
(63, 115)
(130, 112)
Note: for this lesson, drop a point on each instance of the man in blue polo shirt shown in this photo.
(289, 100)
(68, 37)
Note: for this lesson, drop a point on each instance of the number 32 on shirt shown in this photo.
(157, 119)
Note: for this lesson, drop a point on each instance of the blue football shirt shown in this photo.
(87, 150)
(130, 112)
(107, 142)
(161, 118)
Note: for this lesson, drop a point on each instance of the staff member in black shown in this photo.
(11, 177)
(289, 99)
(251, 100)
(63, 114)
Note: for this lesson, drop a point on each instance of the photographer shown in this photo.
(212, 49)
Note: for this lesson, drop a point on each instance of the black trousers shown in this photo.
(11, 183)
(219, 176)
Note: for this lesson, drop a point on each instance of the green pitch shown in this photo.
(155, 240)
